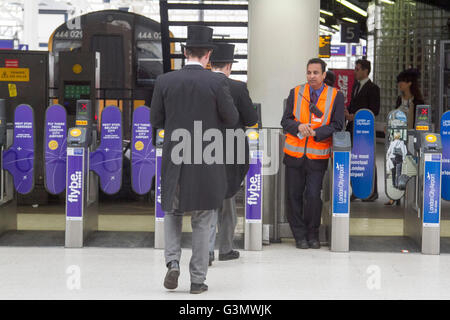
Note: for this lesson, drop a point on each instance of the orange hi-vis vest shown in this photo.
(296, 147)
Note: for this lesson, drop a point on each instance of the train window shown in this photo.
(149, 61)
(66, 45)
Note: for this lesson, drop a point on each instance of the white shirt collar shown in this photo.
(363, 82)
(193, 63)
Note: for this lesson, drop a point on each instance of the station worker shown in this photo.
(184, 100)
(365, 95)
(307, 149)
(222, 60)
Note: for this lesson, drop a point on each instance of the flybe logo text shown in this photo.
(75, 187)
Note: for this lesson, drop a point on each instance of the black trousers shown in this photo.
(304, 186)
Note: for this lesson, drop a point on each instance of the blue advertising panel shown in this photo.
(106, 160)
(341, 183)
(432, 190)
(445, 138)
(363, 154)
(55, 147)
(75, 183)
(18, 160)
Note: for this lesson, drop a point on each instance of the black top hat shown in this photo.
(224, 52)
(199, 37)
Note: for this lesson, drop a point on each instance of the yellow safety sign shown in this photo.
(422, 128)
(15, 74)
(12, 90)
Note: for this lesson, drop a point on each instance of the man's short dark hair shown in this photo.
(365, 64)
(196, 52)
(319, 61)
(330, 78)
(219, 65)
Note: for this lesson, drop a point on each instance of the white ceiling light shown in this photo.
(350, 20)
(322, 20)
(326, 12)
(388, 1)
(353, 7)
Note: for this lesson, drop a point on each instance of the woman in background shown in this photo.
(408, 85)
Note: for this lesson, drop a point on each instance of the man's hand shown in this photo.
(306, 130)
(348, 116)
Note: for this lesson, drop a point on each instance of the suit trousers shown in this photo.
(201, 224)
(304, 188)
(225, 219)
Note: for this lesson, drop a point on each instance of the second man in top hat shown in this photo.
(222, 60)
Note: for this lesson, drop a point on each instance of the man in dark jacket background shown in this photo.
(365, 95)
(186, 103)
(222, 60)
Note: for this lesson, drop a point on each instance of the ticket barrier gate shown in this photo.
(253, 193)
(89, 167)
(81, 184)
(17, 158)
(336, 195)
(423, 195)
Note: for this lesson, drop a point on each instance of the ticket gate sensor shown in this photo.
(18, 160)
(253, 193)
(423, 196)
(421, 179)
(81, 184)
(336, 211)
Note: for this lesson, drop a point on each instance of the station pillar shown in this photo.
(282, 37)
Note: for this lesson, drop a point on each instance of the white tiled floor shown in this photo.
(280, 271)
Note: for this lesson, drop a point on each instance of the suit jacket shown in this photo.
(368, 97)
(247, 117)
(179, 99)
(290, 125)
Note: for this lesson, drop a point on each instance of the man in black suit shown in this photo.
(365, 95)
(187, 103)
(222, 60)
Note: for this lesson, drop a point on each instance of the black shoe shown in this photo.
(302, 244)
(171, 279)
(233, 254)
(198, 288)
(314, 244)
(353, 198)
(372, 198)
(211, 258)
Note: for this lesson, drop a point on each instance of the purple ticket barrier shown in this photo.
(143, 159)
(253, 194)
(55, 144)
(106, 161)
(18, 160)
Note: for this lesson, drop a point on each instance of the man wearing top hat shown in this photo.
(222, 60)
(185, 104)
